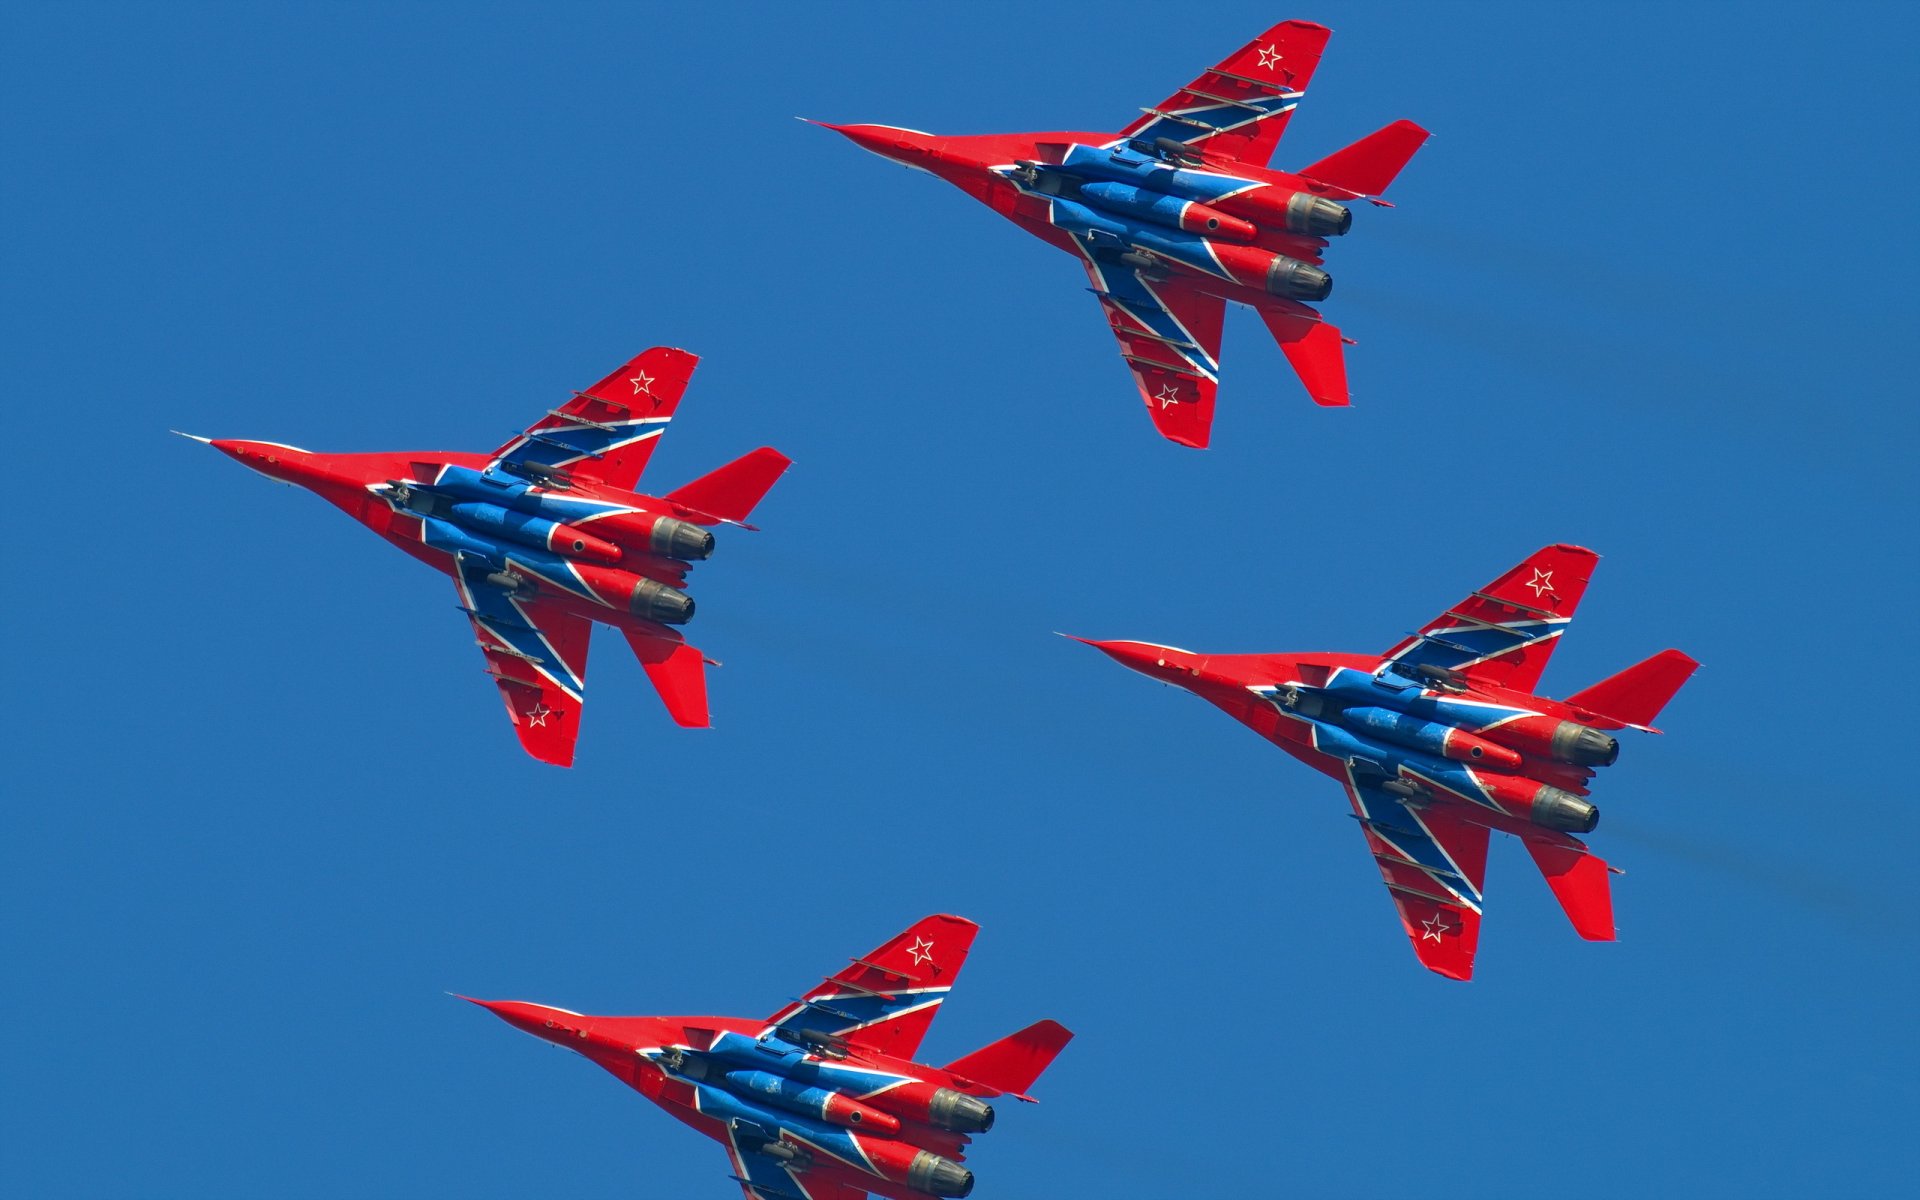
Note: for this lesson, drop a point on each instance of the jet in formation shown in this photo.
(1443, 740)
(546, 536)
(1178, 213)
(822, 1100)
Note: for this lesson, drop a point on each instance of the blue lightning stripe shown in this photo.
(565, 444)
(1409, 696)
(1457, 646)
(1121, 165)
(1347, 745)
(1401, 828)
(797, 1064)
(1207, 120)
(497, 615)
(841, 1013)
(831, 1140)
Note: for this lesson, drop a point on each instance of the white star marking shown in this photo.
(1541, 583)
(921, 951)
(538, 714)
(642, 382)
(1169, 394)
(1435, 927)
(1269, 57)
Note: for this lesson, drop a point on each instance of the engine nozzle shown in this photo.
(1317, 216)
(1296, 280)
(655, 601)
(1564, 811)
(959, 1112)
(1583, 746)
(680, 539)
(938, 1176)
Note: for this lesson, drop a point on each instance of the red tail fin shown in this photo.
(1636, 695)
(1365, 168)
(1012, 1064)
(1315, 350)
(730, 492)
(678, 673)
(1579, 881)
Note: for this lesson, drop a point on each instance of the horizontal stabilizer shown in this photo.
(1579, 881)
(1314, 348)
(1365, 168)
(678, 673)
(1012, 1064)
(730, 492)
(1636, 695)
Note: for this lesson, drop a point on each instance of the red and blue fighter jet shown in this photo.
(1442, 741)
(1178, 213)
(546, 536)
(822, 1100)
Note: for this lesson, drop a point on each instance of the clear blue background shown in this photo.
(1649, 289)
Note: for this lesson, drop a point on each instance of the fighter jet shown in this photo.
(545, 536)
(821, 1100)
(1177, 214)
(1442, 741)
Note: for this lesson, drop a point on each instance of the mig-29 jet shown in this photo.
(546, 536)
(1442, 740)
(822, 1100)
(1178, 213)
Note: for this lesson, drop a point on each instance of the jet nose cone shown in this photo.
(550, 1024)
(288, 464)
(1165, 663)
(902, 145)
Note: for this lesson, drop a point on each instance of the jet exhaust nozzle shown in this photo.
(1316, 216)
(959, 1112)
(1296, 280)
(1583, 746)
(680, 539)
(938, 1176)
(1564, 811)
(655, 601)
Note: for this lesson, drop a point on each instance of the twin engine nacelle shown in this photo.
(1541, 803)
(1562, 741)
(940, 1107)
(655, 534)
(1296, 212)
(1275, 274)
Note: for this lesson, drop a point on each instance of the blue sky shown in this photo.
(1649, 289)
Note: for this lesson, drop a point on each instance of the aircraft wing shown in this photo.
(887, 998)
(1435, 868)
(1169, 334)
(1239, 108)
(1504, 633)
(608, 432)
(762, 1177)
(537, 654)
